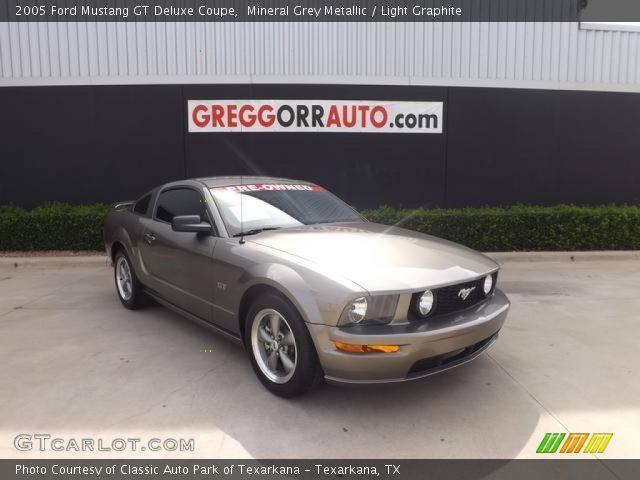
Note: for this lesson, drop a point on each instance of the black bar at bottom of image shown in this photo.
(583, 469)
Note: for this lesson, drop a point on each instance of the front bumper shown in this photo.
(425, 348)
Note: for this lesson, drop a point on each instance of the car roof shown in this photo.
(250, 179)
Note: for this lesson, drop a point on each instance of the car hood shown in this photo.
(378, 257)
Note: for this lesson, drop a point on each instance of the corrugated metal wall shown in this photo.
(528, 55)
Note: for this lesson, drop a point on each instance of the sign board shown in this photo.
(350, 116)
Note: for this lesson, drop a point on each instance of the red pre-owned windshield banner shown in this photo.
(269, 187)
(350, 116)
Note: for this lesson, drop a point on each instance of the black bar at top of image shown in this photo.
(320, 10)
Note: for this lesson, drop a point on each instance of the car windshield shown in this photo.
(273, 206)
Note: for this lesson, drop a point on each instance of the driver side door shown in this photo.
(179, 264)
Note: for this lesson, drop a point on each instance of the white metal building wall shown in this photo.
(525, 55)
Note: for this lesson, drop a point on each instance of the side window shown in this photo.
(142, 206)
(180, 201)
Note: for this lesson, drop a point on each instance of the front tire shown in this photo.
(281, 351)
(128, 287)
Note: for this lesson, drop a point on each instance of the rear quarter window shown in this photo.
(141, 207)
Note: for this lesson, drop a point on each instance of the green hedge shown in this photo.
(55, 226)
(524, 228)
(65, 227)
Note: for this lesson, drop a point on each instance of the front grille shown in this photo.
(451, 299)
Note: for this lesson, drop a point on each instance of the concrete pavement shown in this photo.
(75, 364)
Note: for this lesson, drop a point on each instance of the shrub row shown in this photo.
(54, 226)
(524, 228)
(560, 228)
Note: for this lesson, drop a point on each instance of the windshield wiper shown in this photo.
(346, 220)
(254, 231)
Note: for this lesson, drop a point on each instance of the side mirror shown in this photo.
(190, 223)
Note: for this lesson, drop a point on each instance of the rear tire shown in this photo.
(280, 348)
(128, 287)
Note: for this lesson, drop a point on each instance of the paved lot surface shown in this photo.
(75, 364)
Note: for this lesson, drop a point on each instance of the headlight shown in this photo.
(373, 309)
(357, 310)
(487, 285)
(425, 303)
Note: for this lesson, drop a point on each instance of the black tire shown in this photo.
(137, 298)
(307, 373)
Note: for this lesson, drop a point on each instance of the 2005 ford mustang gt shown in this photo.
(312, 289)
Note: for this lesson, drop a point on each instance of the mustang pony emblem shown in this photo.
(465, 292)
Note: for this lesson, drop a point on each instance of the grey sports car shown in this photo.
(312, 289)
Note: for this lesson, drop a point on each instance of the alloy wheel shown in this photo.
(274, 345)
(124, 280)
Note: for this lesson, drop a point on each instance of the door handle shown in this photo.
(150, 237)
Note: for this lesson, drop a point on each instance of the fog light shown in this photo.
(351, 348)
(488, 284)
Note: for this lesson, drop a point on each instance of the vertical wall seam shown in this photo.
(447, 104)
(183, 109)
